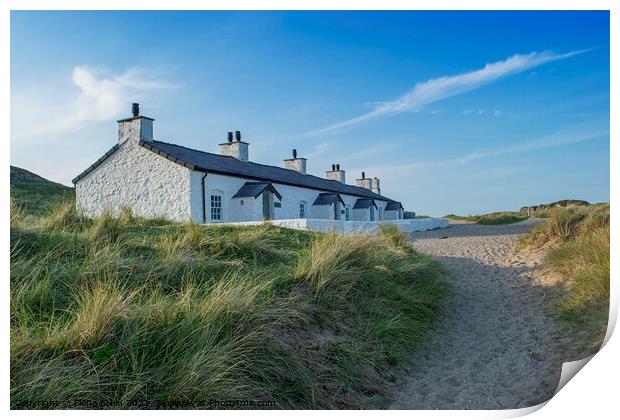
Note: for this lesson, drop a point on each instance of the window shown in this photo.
(347, 213)
(216, 207)
(302, 210)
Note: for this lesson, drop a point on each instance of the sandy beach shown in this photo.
(493, 345)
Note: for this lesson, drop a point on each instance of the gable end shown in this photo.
(97, 163)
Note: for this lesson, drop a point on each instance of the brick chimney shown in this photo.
(296, 163)
(136, 127)
(235, 148)
(336, 173)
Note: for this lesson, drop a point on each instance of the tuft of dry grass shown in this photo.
(17, 213)
(64, 216)
(564, 224)
(107, 229)
(97, 310)
(579, 251)
(585, 263)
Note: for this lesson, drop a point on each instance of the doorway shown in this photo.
(336, 210)
(267, 205)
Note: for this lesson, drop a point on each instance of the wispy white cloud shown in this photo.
(494, 112)
(561, 138)
(571, 135)
(375, 150)
(434, 90)
(318, 150)
(98, 95)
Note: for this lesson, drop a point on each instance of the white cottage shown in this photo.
(155, 178)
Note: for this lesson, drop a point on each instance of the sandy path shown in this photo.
(492, 347)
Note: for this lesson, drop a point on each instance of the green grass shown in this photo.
(126, 309)
(579, 251)
(38, 198)
(497, 218)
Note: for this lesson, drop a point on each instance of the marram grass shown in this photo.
(124, 309)
(578, 239)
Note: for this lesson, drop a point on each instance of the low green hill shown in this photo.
(36, 194)
(129, 312)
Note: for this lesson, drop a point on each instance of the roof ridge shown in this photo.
(230, 157)
(331, 181)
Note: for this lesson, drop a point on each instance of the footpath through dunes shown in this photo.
(493, 346)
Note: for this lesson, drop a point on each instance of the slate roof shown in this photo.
(227, 165)
(325, 199)
(254, 189)
(393, 205)
(364, 203)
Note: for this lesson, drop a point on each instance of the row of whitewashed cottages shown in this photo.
(157, 179)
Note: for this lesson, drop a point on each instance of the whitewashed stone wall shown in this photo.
(232, 211)
(341, 226)
(361, 214)
(392, 214)
(247, 208)
(153, 186)
(226, 187)
(137, 178)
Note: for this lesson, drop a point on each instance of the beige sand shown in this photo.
(493, 345)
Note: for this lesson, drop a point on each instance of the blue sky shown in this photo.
(455, 112)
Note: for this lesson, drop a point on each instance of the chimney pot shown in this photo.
(363, 175)
(336, 174)
(296, 163)
(237, 149)
(135, 109)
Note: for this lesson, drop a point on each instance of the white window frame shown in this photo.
(303, 209)
(216, 206)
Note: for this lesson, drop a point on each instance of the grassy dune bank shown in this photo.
(578, 242)
(497, 218)
(126, 309)
(508, 217)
